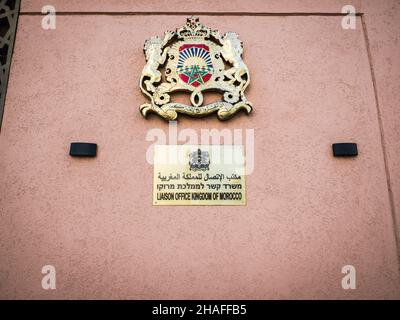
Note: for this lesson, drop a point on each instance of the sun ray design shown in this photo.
(194, 64)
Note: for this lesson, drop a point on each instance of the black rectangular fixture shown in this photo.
(345, 149)
(83, 149)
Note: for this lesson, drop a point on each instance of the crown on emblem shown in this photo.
(199, 160)
(193, 29)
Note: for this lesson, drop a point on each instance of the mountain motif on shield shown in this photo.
(194, 64)
(194, 59)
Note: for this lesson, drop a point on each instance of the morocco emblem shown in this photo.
(199, 160)
(193, 59)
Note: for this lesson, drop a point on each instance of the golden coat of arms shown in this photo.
(194, 59)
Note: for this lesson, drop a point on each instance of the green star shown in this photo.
(195, 74)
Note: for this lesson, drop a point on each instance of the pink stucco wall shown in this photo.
(307, 213)
(193, 6)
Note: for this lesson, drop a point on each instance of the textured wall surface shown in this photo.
(307, 214)
(382, 23)
(239, 6)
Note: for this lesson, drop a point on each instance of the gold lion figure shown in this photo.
(155, 57)
(232, 49)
